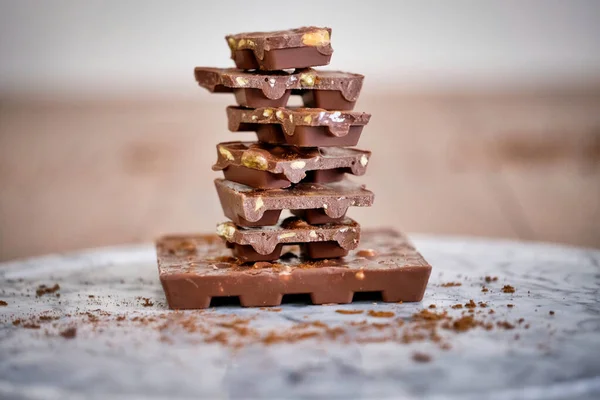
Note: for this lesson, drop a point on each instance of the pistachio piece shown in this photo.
(241, 81)
(254, 160)
(316, 38)
(225, 153)
(226, 230)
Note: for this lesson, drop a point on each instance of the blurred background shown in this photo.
(486, 115)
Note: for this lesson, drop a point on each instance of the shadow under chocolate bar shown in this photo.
(277, 50)
(304, 127)
(315, 203)
(265, 243)
(265, 166)
(196, 269)
(330, 90)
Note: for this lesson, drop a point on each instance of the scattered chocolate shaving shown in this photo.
(3, 303)
(490, 279)
(457, 306)
(380, 314)
(43, 289)
(551, 312)
(508, 289)
(69, 333)
(451, 284)
(432, 306)
(30, 325)
(421, 357)
(505, 325)
(16, 322)
(147, 302)
(471, 304)
(485, 290)
(510, 305)
(349, 312)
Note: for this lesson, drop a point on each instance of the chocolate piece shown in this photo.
(294, 48)
(265, 240)
(331, 90)
(313, 202)
(265, 166)
(194, 269)
(305, 127)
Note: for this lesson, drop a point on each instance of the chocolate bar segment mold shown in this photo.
(196, 268)
(304, 127)
(266, 166)
(265, 243)
(313, 202)
(293, 48)
(331, 90)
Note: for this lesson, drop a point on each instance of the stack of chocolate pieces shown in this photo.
(298, 164)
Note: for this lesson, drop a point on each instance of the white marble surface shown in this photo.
(557, 358)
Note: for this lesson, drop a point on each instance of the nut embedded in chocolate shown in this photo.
(315, 203)
(194, 269)
(330, 90)
(277, 50)
(304, 127)
(265, 166)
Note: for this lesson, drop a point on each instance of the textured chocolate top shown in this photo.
(291, 230)
(337, 122)
(205, 255)
(291, 161)
(274, 83)
(259, 42)
(333, 198)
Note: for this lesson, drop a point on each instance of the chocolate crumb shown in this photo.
(349, 311)
(451, 284)
(43, 289)
(510, 305)
(471, 304)
(69, 333)
(485, 290)
(551, 313)
(91, 296)
(380, 314)
(490, 279)
(147, 302)
(30, 325)
(508, 289)
(432, 306)
(457, 306)
(505, 324)
(421, 357)
(16, 322)
(3, 303)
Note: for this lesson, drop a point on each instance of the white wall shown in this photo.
(78, 46)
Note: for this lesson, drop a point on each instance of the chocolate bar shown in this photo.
(304, 127)
(331, 90)
(315, 203)
(266, 243)
(266, 166)
(196, 269)
(293, 48)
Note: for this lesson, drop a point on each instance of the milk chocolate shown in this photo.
(304, 127)
(293, 48)
(266, 166)
(195, 269)
(313, 202)
(264, 243)
(331, 90)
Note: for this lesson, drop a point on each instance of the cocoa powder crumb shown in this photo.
(457, 306)
(510, 305)
(484, 289)
(69, 333)
(43, 289)
(505, 324)
(471, 304)
(508, 289)
(147, 302)
(3, 303)
(380, 314)
(491, 312)
(421, 357)
(432, 306)
(490, 279)
(451, 284)
(551, 313)
(349, 312)
(91, 296)
(482, 304)
(30, 325)
(16, 322)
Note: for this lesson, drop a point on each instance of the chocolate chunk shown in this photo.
(315, 203)
(294, 48)
(331, 90)
(265, 166)
(264, 240)
(194, 269)
(305, 127)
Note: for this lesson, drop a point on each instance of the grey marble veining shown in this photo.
(557, 358)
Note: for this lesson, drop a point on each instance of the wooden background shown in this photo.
(78, 173)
